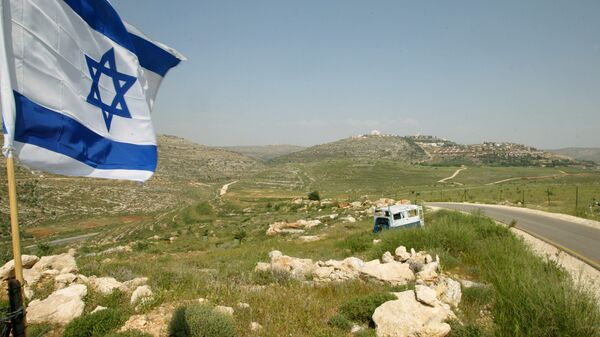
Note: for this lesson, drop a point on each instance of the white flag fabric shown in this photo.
(84, 84)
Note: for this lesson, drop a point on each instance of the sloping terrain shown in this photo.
(360, 148)
(265, 152)
(185, 172)
(580, 153)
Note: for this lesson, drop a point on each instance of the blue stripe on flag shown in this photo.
(56, 132)
(152, 57)
(102, 17)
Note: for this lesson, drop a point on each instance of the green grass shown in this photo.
(531, 297)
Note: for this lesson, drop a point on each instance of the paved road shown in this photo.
(68, 240)
(582, 241)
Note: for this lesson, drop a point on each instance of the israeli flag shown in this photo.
(84, 83)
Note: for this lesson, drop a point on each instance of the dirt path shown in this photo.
(225, 187)
(561, 174)
(462, 168)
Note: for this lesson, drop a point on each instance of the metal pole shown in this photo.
(16, 308)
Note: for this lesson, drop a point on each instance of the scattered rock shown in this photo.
(104, 285)
(376, 241)
(426, 295)
(292, 227)
(7, 271)
(395, 273)
(337, 271)
(254, 326)
(155, 323)
(142, 295)
(243, 305)
(297, 268)
(98, 308)
(449, 291)
(224, 310)
(407, 317)
(134, 283)
(387, 257)
(63, 263)
(60, 307)
(402, 254)
(309, 238)
(356, 328)
(349, 219)
(63, 280)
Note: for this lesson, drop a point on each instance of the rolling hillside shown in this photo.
(186, 171)
(360, 148)
(580, 153)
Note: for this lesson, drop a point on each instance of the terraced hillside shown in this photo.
(362, 148)
(186, 172)
(265, 152)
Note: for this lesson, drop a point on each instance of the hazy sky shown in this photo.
(307, 72)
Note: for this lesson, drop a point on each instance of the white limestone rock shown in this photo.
(61, 307)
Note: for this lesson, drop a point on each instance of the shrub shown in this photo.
(340, 321)
(361, 308)
(314, 195)
(459, 330)
(96, 324)
(200, 320)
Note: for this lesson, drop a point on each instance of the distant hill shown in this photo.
(266, 152)
(364, 147)
(580, 153)
(185, 171)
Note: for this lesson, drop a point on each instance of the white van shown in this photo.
(398, 216)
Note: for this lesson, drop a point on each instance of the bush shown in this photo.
(361, 308)
(314, 195)
(96, 324)
(340, 321)
(200, 320)
(459, 330)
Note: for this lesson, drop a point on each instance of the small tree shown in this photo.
(548, 194)
(314, 195)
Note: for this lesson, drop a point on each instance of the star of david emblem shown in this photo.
(122, 83)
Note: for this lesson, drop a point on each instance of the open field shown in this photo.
(189, 251)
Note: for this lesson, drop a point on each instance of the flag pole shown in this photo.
(7, 104)
(14, 217)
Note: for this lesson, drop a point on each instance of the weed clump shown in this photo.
(340, 321)
(200, 320)
(360, 309)
(95, 325)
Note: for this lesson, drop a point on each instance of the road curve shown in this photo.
(578, 240)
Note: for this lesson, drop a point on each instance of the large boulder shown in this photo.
(60, 307)
(394, 273)
(7, 271)
(407, 317)
(63, 263)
